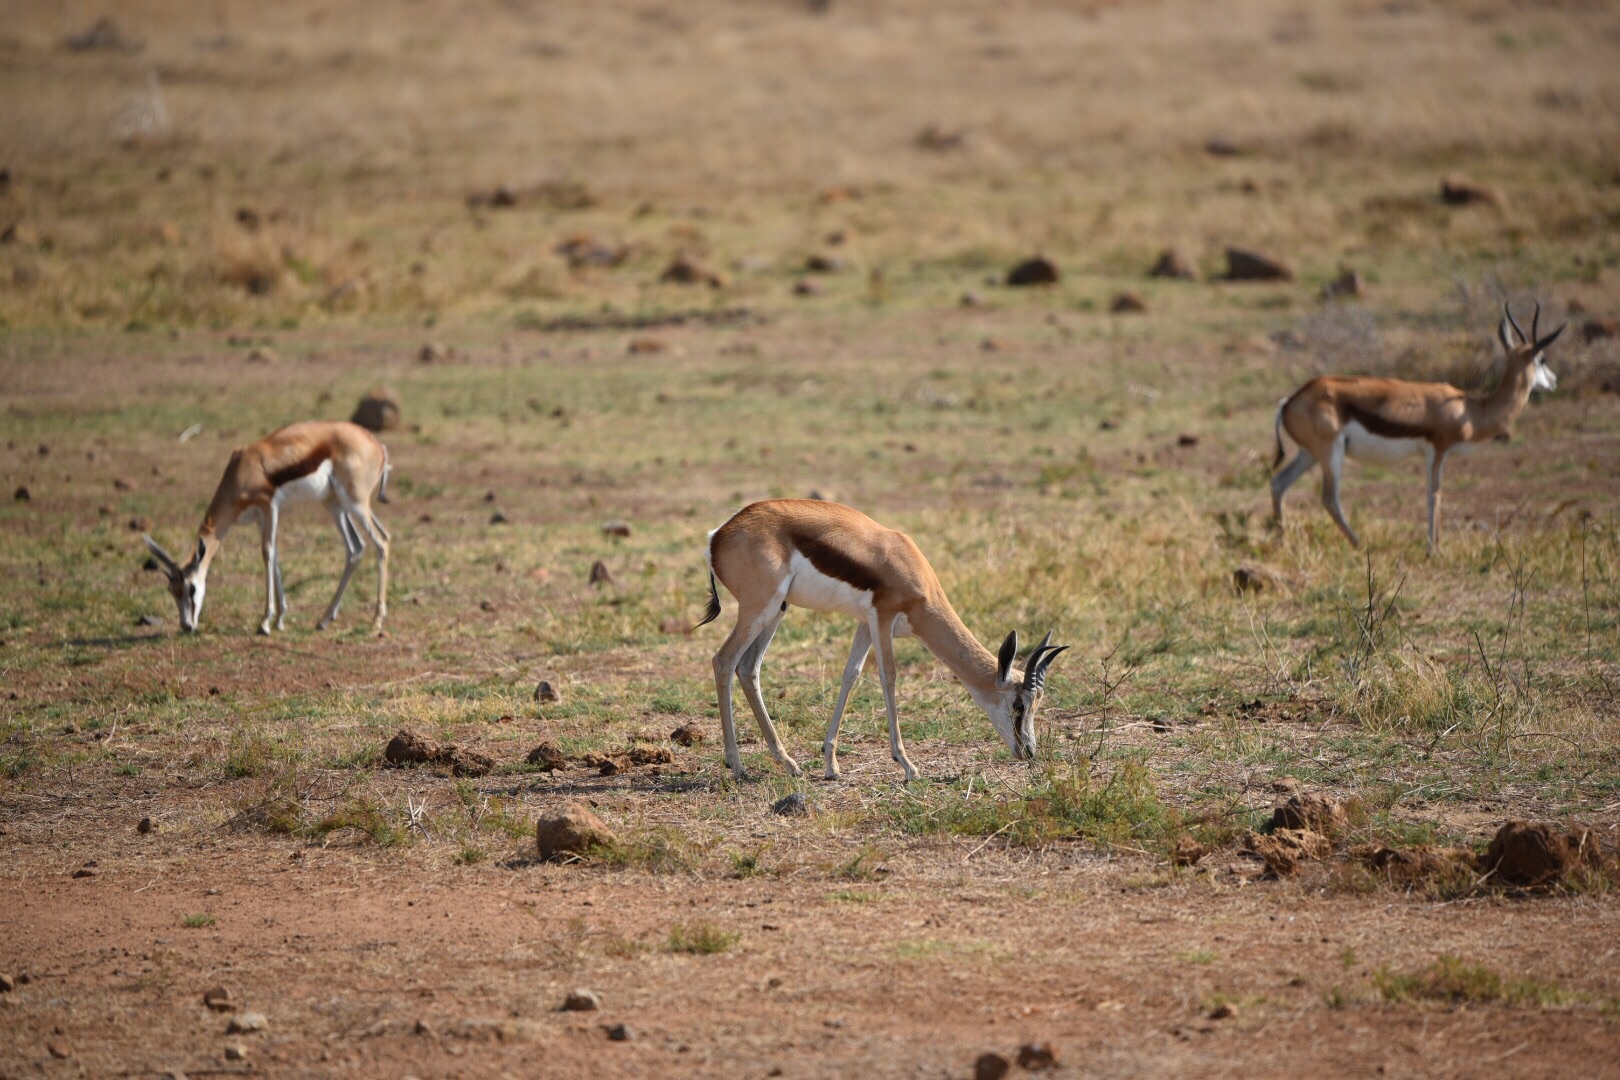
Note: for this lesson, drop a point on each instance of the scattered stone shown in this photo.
(600, 575)
(487, 605)
(7, 983)
(824, 264)
(247, 1024)
(793, 805)
(147, 825)
(689, 270)
(219, 999)
(149, 620)
(991, 1066)
(688, 734)
(1591, 330)
(1174, 263)
(940, 139)
(548, 756)
(546, 694)
(605, 765)
(378, 411)
(1347, 286)
(616, 528)
(1037, 1057)
(584, 250)
(263, 354)
(1258, 578)
(1224, 1011)
(84, 872)
(498, 518)
(1188, 852)
(1185, 439)
(1219, 146)
(573, 831)
(58, 1049)
(1128, 303)
(646, 346)
(122, 483)
(1038, 270)
(807, 287)
(582, 1001)
(1245, 265)
(433, 353)
(424, 1028)
(620, 1033)
(651, 755)
(409, 748)
(1458, 190)
(22, 494)
(1540, 852)
(972, 299)
(235, 1052)
(1313, 811)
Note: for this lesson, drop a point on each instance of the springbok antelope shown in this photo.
(826, 557)
(1384, 420)
(336, 463)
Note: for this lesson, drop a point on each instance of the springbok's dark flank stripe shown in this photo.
(836, 563)
(297, 470)
(1382, 426)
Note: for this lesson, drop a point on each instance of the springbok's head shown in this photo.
(1529, 350)
(188, 584)
(1018, 693)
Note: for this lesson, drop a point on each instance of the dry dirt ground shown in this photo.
(216, 221)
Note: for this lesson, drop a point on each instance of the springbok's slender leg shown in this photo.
(267, 537)
(858, 650)
(360, 513)
(354, 547)
(886, 673)
(281, 596)
(1437, 465)
(1332, 472)
(751, 622)
(748, 670)
(1286, 478)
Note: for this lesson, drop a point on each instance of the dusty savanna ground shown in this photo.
(218, 221)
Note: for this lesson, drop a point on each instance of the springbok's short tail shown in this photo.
(1276, 431)
(712, 612)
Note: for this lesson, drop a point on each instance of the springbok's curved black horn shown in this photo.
(1039, 661)
(1507, 310)
(1535, 322)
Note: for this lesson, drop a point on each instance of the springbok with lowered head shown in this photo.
(827, 557)
(1385, 420)
(336, 463)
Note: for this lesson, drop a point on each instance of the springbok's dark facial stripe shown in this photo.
(837, 563)
(297, 470)
(1382, 426)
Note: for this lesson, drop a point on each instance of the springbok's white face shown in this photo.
(1018, 694)
(187, 584)
(1515, 341)
(1543, 378)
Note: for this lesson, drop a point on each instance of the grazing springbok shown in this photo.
(826, 557)
(1385, 420)
(339, 464)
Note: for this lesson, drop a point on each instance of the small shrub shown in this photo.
(199, 921)
(1455, 981)
(701, 939)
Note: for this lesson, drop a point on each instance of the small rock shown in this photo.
(582, 1001)
(616, 528)
(498, 518)
(972, 300)
(7, 983)
(1459, 190)
(378, 411)
(1224, 1011)
(689, 270)
(263, 354)
(1219, 146)
(807, 287)
(58, 1049)
(573, 831)
(824, 264)
(991, 1066)
(1038, 270)
(620, 1033)
(1245, 265)
(1037, 1057)
(793, 805)
(425, 1029)
(1174, 263)
(235, 1052)
(1185, 439)
(22, 494)
(409, 748)
(1313, 811)
(246, 1024)
(1591, 330)
(121, 483)
(468, 763)
(149, 620)
(688, 734)
(548, 756)
(1256, 577)
(219, 999)
(600, 574)
(546, 694)
(84, 872)
(485, 605)
(646, 346)
(433, 353)
(1128, 303)
(1347, 286)
(147, 825)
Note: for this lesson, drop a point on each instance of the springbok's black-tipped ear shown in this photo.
(1004, 662)
(202, 549)
(1505, 331)
(1550, 338)
(160, 555)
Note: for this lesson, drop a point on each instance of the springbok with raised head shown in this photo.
(827, 557)
(336, 463)
(1384, 420)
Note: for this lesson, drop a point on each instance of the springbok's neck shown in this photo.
(1498, 410)
(942, 631)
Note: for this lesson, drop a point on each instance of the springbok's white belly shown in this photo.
(1363, 445)
(812, 589)
(311, 488)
